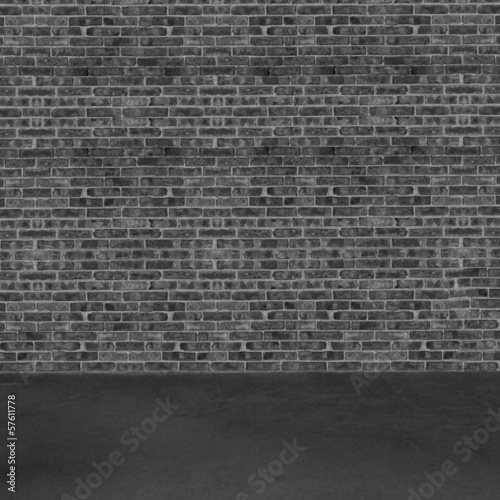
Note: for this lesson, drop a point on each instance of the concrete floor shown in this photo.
(371, 444)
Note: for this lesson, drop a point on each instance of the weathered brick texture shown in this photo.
(230, 186)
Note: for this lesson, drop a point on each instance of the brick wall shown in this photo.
(216, 186)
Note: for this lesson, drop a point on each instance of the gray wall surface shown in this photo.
(230, 186)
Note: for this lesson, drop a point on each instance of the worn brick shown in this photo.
(249, 186)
